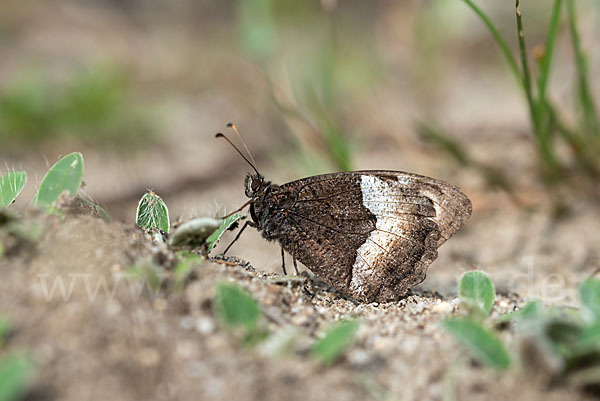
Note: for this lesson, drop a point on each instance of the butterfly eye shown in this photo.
(255, 185)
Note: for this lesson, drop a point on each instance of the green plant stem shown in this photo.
(512, 62)
(541, 132)
(526, 76)
(542, 114)
(548, 56)
(591, 121)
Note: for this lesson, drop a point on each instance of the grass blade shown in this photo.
(152, 213)
(335, 341)
(548, 55)
(542, 113)
(65, 175)
(477, 290)
(512, 63)
(482, 344)
(11, 185)
(590, 115)
(541, 126)
(526, 75)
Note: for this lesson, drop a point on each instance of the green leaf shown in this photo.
(11, 185)
(476, 290)
(482, 344)
(149, 273)
(182, 270)
(532, 309)
(590, 336)
(589, 296)
(152, 213)
(16, 372)
(236, 308)
(27, 230)
(65, 175)
(215, 236)
(194, 233)
(99, 210)
(336, 341)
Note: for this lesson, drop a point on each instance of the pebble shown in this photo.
(418, 308)
(443, 308)
(205, 325)
(358, 357)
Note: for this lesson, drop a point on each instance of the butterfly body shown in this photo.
(369, 234)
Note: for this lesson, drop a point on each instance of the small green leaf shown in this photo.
(99, 210)
(476, 290)
(182, 270)
(11, 185)
(590, 336)
(589, 296)
(336, 341)
(215, 236)
(152, 213)
(16, 372)
(194, 233)
(149, 273)
(65, 175)
(28, 230)
(481, 343)
(532, 310)
(236, 308)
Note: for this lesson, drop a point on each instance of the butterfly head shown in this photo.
(254, 185)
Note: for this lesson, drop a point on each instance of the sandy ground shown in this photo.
(112, 339)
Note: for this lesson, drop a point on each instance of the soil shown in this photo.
(107, 339)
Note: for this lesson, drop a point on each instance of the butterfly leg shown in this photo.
(248, 223)
(294, 256)
(283, 262)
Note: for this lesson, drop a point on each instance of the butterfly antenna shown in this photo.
(234, 128)
(220, 135)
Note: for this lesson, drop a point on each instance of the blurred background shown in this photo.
(141, 87)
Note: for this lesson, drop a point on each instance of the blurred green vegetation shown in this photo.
(95, 108)
(550, 130)
(320, 68)
(333, 60)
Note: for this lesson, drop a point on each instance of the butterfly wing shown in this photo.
(371, 234)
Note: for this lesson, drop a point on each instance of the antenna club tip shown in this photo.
(219, 135)
(229, 125)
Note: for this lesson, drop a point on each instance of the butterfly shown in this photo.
(369, 234)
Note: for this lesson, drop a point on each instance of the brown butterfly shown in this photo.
(369, 234)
